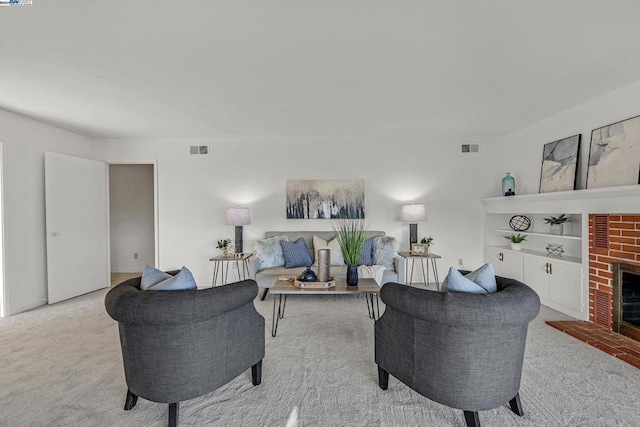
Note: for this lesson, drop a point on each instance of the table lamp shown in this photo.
(238, 217)
(412, 214)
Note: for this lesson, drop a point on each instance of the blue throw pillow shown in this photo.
(366, 254)
(480, 281)
(296, 254)
(183, 281)
(485, 276)
(456, 282)
(151, 276)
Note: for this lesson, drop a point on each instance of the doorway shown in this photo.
(132, 219)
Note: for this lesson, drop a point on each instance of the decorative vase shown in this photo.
(308, 275)
(516, 246)
(352, 275)
(557, 229)
(508, 185)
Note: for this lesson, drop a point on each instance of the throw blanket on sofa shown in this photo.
(371, 272)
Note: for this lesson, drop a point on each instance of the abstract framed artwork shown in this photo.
(614, 155)
(560, 165)
(325, 199)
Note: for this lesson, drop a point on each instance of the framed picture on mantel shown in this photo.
(614, 156)
(560, 165)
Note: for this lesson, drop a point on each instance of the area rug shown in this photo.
(61, 365)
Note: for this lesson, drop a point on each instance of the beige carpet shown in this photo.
(61, 366)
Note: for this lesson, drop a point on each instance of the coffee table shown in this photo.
(283, 288)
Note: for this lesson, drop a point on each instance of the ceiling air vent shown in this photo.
(469, 148)
(198, 149)
(601, 231)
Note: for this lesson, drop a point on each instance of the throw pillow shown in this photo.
(296, 254)
(484, 276)
(366, 254)
(183, 281)
(333, 245)
(384, 252)
(480, 281)
(269, 251)
(151, 276)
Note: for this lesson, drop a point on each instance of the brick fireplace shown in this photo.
(614, 240)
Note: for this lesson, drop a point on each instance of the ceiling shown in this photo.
(453, 69)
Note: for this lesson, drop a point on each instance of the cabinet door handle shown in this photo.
(550, 268)
(501, 256)
(546, 267)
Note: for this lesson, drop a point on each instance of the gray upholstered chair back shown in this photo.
(462, 350)
(178, 345)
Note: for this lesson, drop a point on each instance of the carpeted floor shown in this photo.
(61, 366)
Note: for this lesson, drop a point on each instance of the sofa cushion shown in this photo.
(366, 254)
(333, 245)
(480, 281)
(269, 251)
(384, 252)
(183, 281)
(296, 254)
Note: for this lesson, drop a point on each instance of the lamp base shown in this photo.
(238, 239)
(413, 234)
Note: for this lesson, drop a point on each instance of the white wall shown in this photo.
(131, 201)
(193, 191)
(523, 149)
(25, 142)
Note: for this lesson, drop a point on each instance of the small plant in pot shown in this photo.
(351, 236)
(226, 247)
(516, 240)
(556, 223)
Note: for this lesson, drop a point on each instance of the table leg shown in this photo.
(216, 268)
(435, 273)
(276, 316)
(425, 279)
(245, 269)
(369, 306)
(413, 263)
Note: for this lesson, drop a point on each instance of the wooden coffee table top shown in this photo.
(365, 286)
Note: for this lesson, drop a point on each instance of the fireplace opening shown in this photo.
(626, 299)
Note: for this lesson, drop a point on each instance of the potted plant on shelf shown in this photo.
(516, 240)
(556, 223)
(226, 247)
(351, 236)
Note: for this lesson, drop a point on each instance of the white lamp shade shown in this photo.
(413, 213)
(237, 216)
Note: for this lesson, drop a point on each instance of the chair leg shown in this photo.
(256, 373)
(383, 378)
(130, 401)
(516, 405)
(174, 410)
(264, 294)
(472, 419)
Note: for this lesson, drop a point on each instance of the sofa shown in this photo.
(179, 345)
(267, 277)
(460, 349)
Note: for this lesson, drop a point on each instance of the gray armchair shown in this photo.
(178, 345)
(462, 350)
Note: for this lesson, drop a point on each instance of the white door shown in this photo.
(536, 275)
(565, 285)
(77, 227)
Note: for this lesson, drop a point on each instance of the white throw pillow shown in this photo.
(269, 251)
(333, 245)
(384, 252)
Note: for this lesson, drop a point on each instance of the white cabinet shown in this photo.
(559, 284)
(506, 263)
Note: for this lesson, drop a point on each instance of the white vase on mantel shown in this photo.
(516, 246)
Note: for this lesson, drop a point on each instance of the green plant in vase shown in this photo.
(516, 240)
(226, 246)
(556, 223)
(352, 234)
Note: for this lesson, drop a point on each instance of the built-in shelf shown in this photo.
(535, 233)
(540, 254)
